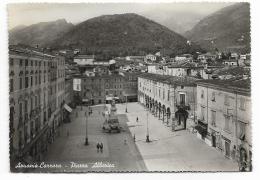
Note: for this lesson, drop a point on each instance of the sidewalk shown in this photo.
(171, 151)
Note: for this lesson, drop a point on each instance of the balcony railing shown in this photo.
(183, 106)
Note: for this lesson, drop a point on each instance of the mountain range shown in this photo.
(119, 34)
(227, 29)
(40, 34)
(123, 34)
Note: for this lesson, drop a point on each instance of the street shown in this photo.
(69, 150)
(167, 151)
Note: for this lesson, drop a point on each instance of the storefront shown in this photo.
(202, 129)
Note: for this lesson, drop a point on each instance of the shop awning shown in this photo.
(67, 108)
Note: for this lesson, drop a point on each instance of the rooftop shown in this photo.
(84, 56)
(29, 52)
(235, 71)
(174, 80)
(240, 84)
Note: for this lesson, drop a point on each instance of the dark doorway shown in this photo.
(181, 117)
(227, 149)
(213, 140)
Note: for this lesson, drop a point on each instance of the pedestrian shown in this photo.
(98, 146)
(101, 147)
(125, 141)
(137, 119)
(134, 137)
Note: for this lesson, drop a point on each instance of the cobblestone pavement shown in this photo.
(171, 151)
(69, 150)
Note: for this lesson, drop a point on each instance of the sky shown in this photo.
(27, 14)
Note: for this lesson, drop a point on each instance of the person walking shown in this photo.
(101, 147)
(137, 119)
(98, 146)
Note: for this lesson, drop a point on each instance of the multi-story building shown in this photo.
(150, 58)
(96, 89)
(99, 89)
(130, 86)
(170, 98)
(34, 106)
(183, 69)
(224, 117)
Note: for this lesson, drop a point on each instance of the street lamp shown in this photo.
(126, 104)
(147, 128)
(86, 140)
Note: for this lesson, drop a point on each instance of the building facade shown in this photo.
(35, 102)
(224, 109)
(171, 99)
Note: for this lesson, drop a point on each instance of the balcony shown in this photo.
(183, 106)
(213, 124)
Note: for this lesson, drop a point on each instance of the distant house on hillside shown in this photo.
(150, 57)
(208, 56)
(183, 57)
(231, 62)
(134, 58)
(84, 59)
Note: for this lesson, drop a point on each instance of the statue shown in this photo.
(113, 108)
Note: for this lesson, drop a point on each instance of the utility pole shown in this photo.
(86, 140)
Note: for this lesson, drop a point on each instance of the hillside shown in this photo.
(39, 34)
(123, 34)
(226, 29)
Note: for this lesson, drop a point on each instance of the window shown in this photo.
(226, 100)
(163, 94)
(11, 85)
(21, 83)
(39, 79)
(202, 94)
(168, 97)
(202, 113)
(213, 97)
(31, 80)
(241, 130)
(26, 82)
(213, 118)
(20, 110)
(11, 118)
(227, 123)
(21, 62)
(182, 99)
(36, 80)
(11, 62)
(26, 62)
(242, 103)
